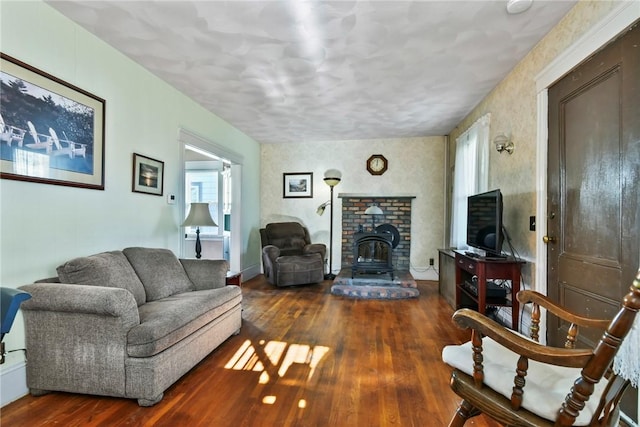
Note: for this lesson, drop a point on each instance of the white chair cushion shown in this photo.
(546, 385)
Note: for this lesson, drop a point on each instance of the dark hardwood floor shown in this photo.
(303, 358)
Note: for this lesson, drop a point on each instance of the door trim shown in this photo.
(625, 14)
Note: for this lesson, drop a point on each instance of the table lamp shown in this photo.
(199, 216)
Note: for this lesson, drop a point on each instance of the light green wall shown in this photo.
(43, 225)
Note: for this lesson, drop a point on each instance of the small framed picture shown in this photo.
(297, 185)
(148, 175)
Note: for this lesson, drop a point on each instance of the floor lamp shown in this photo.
(199, 216)
(332, 178)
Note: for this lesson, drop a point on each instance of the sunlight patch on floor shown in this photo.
(275, 357)
(269, 400)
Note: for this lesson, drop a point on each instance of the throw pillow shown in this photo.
(160, 271)
(110, 269)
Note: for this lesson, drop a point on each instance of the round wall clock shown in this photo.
(377, 164)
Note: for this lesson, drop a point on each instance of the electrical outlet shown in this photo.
(431, 261)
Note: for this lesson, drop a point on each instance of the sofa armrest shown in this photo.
(97, 300)
(76, 336)
(206, 273)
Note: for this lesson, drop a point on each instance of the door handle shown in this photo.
(548, 239)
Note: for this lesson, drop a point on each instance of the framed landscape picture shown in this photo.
(148, 175)
(51, 132)
(296, 185)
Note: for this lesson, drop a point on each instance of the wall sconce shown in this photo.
(503, 143)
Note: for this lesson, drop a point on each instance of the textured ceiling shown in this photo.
(293, 71)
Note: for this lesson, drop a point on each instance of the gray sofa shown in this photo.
(126, 323)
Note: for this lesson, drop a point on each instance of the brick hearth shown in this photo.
(372, 286)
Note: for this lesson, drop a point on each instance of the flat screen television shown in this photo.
(484, 222)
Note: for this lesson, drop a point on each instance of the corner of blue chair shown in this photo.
(10, 300)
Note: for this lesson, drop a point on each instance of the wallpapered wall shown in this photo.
(513, 108)
(416, 167)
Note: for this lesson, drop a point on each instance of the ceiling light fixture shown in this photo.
(518, 6)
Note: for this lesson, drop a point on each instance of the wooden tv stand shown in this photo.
(485, 269)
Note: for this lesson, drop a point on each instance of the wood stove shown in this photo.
(372, 253)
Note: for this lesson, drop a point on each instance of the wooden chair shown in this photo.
(519, 382)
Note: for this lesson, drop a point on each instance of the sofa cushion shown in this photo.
(206, 273)
(166, 321)
(160, 272)
(110, 269)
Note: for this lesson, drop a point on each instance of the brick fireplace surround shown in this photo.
(397, 212)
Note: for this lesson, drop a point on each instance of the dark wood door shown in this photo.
(593, 184)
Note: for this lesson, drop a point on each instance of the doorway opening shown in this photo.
(212, 174)
(208, 180)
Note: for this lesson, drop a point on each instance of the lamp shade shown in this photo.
(199, 216)
(322, 207)
(373, 210)
(332, 177)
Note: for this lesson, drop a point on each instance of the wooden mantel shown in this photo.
(377, 196)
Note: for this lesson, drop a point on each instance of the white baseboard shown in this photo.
(425, 273)
(251, 271)
(13, 383)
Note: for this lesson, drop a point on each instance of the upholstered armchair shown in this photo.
(288, 256)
